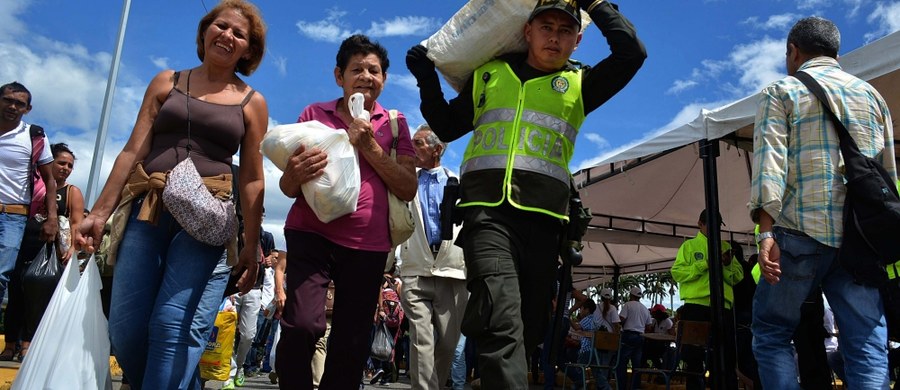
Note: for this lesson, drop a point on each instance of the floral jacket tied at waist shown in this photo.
(140, 183)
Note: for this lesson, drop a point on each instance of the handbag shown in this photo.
(400, 218)
(202, 215)
(872, 207)
(382, 343)
(38, 284)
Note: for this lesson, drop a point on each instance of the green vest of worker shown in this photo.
(527, 131)
(691, 271)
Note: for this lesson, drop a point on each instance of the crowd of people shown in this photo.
(313, 314)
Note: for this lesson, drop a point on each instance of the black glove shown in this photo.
(419, 64)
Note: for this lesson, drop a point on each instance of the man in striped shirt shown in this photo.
(797, 197)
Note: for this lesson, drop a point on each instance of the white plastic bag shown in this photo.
(70, 349)
(336, 192)
(479, 32)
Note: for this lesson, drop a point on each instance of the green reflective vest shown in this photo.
(527, 132)
(691, 271)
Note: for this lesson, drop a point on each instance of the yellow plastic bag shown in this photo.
(215, 363)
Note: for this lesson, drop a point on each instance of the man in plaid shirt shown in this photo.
(797, 197)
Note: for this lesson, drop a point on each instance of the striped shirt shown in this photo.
(797, 166)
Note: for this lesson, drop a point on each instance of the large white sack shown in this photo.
(336, 192)
(479, 32)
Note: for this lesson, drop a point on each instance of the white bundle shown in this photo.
(479, 32)
(336, 192)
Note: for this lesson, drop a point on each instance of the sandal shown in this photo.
(7, 355)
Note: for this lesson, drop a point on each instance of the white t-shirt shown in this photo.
(636, 316)
(15, 158)
(611, 317)
(662, 326)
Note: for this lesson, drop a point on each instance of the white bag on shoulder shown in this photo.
(336, 192)
(70, 349)
(479, 32)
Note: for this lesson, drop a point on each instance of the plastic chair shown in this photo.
(688, 333)
(603, 342)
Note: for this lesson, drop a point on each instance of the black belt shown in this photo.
(631, 331)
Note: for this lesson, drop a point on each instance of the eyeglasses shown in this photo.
(14, 102)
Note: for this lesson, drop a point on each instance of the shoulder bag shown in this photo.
(872, 207)
(400, 217)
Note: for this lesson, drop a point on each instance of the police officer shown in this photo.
(691, 271)
(526, 110)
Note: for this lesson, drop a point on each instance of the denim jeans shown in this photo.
(805, 264)
(159, 279)
(631, 349)
(205, 319)
(12, 228)
(458, 368)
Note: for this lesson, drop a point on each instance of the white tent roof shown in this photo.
(646, 197)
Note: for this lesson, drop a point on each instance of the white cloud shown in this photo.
(332, 29)
(681, 85)
(811, 4)
(10, 25)
(405, 81)
(160, 62)
(754, 64)
(758, 63)
(279, 63)
(886, 17)
(404, 25)
(597, 140)
(774, 22)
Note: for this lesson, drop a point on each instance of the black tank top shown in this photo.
(62, 201)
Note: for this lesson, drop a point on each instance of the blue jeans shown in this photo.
(632, 348)
(858, 311)
(12, 228)
(159, 278)
(205, 319)
(458, 368)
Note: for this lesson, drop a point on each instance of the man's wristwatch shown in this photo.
(764, 235)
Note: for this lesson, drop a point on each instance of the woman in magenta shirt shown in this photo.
(351, 250)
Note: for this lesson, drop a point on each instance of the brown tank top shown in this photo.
(216, 133)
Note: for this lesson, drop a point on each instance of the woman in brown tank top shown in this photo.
(162, 271)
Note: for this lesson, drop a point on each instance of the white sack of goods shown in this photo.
(336, 192)
(479, 32)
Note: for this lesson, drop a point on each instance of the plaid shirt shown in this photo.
(797, 167)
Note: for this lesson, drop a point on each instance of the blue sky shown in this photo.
(702, 54)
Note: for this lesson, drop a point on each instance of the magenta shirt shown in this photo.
(367, 227)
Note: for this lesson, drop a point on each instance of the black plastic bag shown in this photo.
(38, 284)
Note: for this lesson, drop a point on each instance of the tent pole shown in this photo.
(709, 151)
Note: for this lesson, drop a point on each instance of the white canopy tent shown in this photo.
(646, 197)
